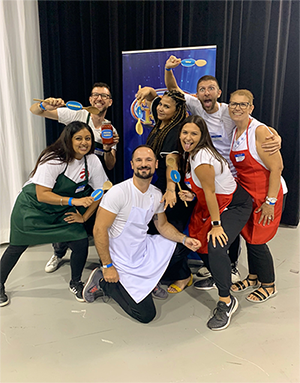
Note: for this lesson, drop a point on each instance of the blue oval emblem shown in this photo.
(107, 133)
(188, 62)
(74, 105)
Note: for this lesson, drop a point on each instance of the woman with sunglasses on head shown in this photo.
(260, 175)
(168, 112)
(55, 203)
(222, 209)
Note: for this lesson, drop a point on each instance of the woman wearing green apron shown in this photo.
(54, 204)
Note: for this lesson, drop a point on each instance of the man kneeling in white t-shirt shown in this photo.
(133, 261)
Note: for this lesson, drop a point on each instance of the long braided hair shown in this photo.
(157, 136)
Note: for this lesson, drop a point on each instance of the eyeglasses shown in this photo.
(242, 105)
(210, 89)
(104, 96)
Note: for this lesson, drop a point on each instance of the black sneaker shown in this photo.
(222, 314)
(76, 288)
(3, 297)
(205, 284)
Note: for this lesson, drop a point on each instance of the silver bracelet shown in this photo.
(61, 202)
(184, 239)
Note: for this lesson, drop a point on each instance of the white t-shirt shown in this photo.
(120, 199)
(224, 182)
(219, 125)
(65, 116)
(48, 172)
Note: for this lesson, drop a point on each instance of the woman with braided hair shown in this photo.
(168, 112)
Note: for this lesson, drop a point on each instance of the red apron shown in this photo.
(200, 223)
(255, 179)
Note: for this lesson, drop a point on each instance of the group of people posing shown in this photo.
(231, 184)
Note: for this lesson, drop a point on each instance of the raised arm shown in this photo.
(146, 93)
(103, 222)
(51, 105)
(170, 80)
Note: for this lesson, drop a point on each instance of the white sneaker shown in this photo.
(52, 264)
(235, 275)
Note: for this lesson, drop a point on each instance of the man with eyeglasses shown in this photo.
(54, 108)
(220, 127)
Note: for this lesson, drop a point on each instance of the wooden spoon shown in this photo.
(107, 185)
(74, 105)
(138, 126)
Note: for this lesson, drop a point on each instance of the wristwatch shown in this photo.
(270, 200)
(216, 223)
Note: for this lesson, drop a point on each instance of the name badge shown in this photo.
(216, 137)
(98, 152)
(80, 189)
(239, 157)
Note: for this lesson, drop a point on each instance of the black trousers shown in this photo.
(233, 219)
(260, 262)
(78, 258)
(145, 311)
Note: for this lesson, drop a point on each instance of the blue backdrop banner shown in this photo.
(146, 68)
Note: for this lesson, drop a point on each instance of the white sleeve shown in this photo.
(203, 157)
(47, 173)
(193, 105)
(97, 175)
(65, 115)
(113, 200)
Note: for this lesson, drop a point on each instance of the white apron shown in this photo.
(140, 259)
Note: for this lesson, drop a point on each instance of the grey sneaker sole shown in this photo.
(92, 284)
(235, 307)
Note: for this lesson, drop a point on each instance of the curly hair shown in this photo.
(157, 136)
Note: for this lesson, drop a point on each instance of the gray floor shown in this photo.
(47, 336)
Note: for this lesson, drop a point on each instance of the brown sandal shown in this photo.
(242, 287)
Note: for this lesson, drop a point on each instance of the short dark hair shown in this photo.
(207, 77)
(143, 146)
(102, 85)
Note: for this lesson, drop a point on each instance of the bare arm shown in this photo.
(170, 194)
(275, 165)
(206, 175)
(50, 104)
(104, 220)
(170, 232)
(272, 142)
(146, 93)
(170, 80)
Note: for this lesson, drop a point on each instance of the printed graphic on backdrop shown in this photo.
(147, 68)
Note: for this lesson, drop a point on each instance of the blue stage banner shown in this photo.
(146, 68)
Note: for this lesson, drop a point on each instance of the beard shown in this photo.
(143, 175)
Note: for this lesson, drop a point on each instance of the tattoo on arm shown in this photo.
(155, 218)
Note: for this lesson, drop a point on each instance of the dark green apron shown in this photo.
(34, 222)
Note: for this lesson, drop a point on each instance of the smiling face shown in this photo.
(82, 143)
(144, 163)
(240, 107)
(208, 93)
(190, 136)
(100, 98)
(166, 109)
